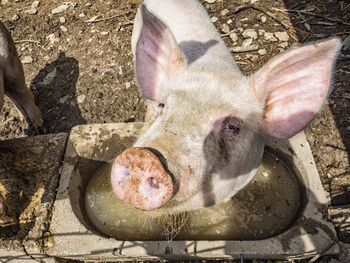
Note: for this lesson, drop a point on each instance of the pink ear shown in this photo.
(294, 87)
(158, 56)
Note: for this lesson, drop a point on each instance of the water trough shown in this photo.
(75, 237)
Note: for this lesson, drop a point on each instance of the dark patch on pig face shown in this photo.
(232, 151)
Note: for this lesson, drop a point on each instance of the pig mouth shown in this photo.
(139, 178)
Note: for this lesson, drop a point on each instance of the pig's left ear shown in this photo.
(294, 86)
(158, 57)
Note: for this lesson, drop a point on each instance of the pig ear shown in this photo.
(158, 56)
(294, 87)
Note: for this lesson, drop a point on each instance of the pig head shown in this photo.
(206, 121)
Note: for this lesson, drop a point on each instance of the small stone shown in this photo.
(27, 60)
(283, 44)
(261, 32)
(52, 38)
(62, 20)
(282, 36)
(240, 49)
(252, 58)
(307, 26)
(225, 28)
(250, 33)
(247, 42)
(63, 28)
(81, 98)
(15, 18)
(262, 51)
(224, 12)
(63, 99)
(233, 36)
(263, 19)
(254, 1)
(214, 19)
(229, 21)
(88, 4)
(127, 85)
(346, 44)
(59, 9)
(31, 11)
(104, 33)
(81, 15)
(35, 4)
(210, 1)
(269, 37)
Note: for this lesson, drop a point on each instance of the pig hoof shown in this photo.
(139, 178)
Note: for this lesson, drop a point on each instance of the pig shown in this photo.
(12, 84)
(206, 122)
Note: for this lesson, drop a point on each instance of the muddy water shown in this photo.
(264, 208)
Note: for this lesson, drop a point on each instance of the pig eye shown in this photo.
(231, 126)
(161, 105)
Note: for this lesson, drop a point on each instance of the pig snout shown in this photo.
(138, 177)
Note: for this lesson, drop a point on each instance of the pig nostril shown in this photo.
(153, 182)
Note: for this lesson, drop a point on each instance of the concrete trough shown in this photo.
(89, 146)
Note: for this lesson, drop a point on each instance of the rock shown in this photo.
(210, 1)
(269, 37)
(104, 33)
(229, 21)
(62, 20)
(307, 26)
(49, 77)
(59, 9)
(247, 42)
(214, 19)
(52, 38)
(81, 98)
(250, 33)
(224, 12)
(27, 60)
(263, 19)
(88, 4)
(63, 99)
(262, 51)
(15, 18)
(233, 36)
(63, 28)
(127, 85)
(283, 44)
(225, 28)
(35, 4)
(252, 58)
(240, 49)
(282, 36)
(346, 44)
(261, 32)
(81, 15)
(31, 11)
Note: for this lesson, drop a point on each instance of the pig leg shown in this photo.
(17, 91)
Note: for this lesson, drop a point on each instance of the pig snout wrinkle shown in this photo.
(138, 177)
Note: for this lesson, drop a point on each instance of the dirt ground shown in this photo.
(82, 72)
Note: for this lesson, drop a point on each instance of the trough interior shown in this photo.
(85, 168)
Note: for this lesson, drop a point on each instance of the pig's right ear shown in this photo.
(158, 57)
(294, 86)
